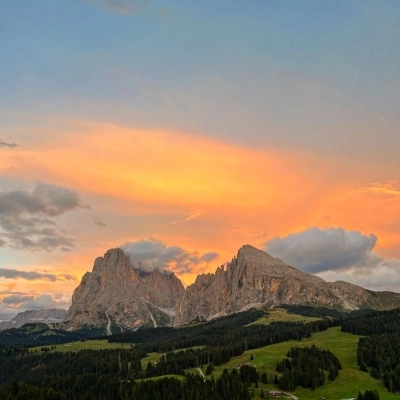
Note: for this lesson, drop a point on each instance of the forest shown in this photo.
(306, 367)
(226, 331)
(121, 373)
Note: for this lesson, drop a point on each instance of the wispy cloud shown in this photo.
(33, 275)
(388, 188)
(194, 214)
(8, 145)
(98, 222)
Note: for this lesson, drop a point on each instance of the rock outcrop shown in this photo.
(116, 297)
(49, 316)
(256, 279)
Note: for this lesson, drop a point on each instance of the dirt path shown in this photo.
(291, 396)
(201, 373)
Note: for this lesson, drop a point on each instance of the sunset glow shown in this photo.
(206, 141)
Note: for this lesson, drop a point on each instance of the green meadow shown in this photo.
(86, 345)
(344, 345)
(180, 377)
(282, 315)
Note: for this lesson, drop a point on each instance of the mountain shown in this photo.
(256, 279)
(117, 297)
(49, 316)
(37, 334)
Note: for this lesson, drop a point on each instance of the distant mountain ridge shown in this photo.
(116, 297)
(49, 316)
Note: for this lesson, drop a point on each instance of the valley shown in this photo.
(343, 345)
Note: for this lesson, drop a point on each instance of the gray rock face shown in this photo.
(256, 279)
(116, 297)
(51, 316)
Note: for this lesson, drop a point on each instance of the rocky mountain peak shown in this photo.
(249, 252)
(114, 257)
(116, 297)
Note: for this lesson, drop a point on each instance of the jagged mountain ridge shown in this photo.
(47, 316)
(117, 297)
(256, 279)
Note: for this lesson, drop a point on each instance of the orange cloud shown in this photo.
(143, 182)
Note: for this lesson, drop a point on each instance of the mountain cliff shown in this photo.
(256, 279)
(117, 297)
(49, 316)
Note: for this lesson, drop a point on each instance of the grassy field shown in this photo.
(350, 381)
(282, 315)
(86, 345)
(154, 357)
(343, 345)
(180, 377)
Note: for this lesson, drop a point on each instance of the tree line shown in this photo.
(105, 387)
(377, 322)
(381, 353)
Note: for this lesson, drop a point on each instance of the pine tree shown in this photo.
(264, 378)
(332, 374)
(210, 369)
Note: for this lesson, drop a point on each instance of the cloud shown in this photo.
(24, 222)
(46, 200)
(10, 292)
(16, 300)
(44, 301)
(336, 254)
(126, 7)
(33, 275)
(30, 301)
(315, 250)
(194, 214)
(34, 234)
(208, 257)
(8, 145)
(387, 189)
(151, 254)
(66, 277)
(98, 222)
(381, 277)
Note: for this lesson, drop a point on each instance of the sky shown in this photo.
(182, 130)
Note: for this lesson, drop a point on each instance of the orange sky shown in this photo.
(196, 128)
(192, 191)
